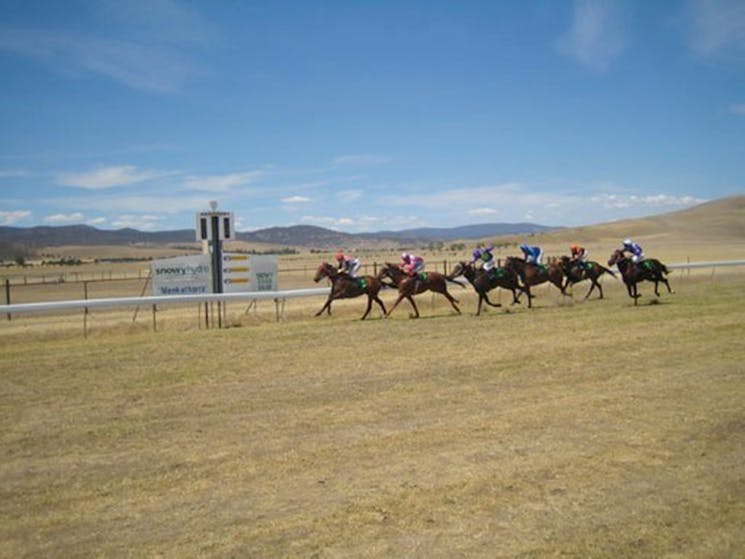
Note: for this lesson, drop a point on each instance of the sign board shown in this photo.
(183, 275)
(249, 272)
(209, 223)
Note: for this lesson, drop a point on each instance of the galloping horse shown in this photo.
(649, 269)
(345, 287)
(533, 274)
(484, 281)
(409, 286)
(589, 270)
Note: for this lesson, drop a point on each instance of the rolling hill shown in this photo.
(308, 236)
(718, 220)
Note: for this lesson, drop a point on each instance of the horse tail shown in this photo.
(608, 270)
(455, 281)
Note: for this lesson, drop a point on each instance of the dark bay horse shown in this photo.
(409, 286)
(346, 287)
(649, 269)
(484, 281)
(589, 270)
(533, 274)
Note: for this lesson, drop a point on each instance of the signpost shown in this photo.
(215, 227)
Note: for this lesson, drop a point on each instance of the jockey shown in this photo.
(411, 264)
(637, 254)
(533, 254)
(579, 255)
(484, 254)
(348, 264)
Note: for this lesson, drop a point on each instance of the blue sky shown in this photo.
(363, 116)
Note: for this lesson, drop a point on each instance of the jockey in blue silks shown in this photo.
(533, 254)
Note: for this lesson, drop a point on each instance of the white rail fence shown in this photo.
(279, 297)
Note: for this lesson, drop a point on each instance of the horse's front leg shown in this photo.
(592, 287)
(400, 298)
(326, 307)
(413, 304)
(369, 306)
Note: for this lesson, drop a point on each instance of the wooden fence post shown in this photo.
(7, 293)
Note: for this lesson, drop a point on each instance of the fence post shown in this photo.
(7, 293)
(85, 310)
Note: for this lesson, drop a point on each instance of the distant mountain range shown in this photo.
(308, 236)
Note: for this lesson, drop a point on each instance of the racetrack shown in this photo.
(598, 429)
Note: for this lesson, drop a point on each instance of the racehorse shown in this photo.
(484, 281)
(408, 286)
(534, 274)
(649, 269)
(589, 270)
(346, 287)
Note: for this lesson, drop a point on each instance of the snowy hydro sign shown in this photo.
(183, 275)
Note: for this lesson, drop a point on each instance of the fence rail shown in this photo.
(714, 264)
(110, 302)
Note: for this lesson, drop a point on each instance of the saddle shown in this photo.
(496, 273)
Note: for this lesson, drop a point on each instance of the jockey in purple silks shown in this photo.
(637, 254)
(485, 255)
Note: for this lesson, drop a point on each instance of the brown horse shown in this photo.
(408, 286)
(346, 287)
(649, 269)
(484, 281)
(576, 272)
(534, 274)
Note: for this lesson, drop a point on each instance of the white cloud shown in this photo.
(148, 66)
(11, 218)
(221, 183)
(653, 201)
(109, 177)
(737, 109)
(593, 203)
(348, 195)
(295, 200)
(96, 221)
(58, 219)
(364, 222)
(362, 159)
(167, 20)
(483, 211)
(13, 173)
(460, 199)
(715, 26)
(597, 34)
(132, 204)
(141, 222)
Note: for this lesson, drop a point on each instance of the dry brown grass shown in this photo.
(590, 430)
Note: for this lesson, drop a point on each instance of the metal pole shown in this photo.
(155, 324)
(216, 256)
